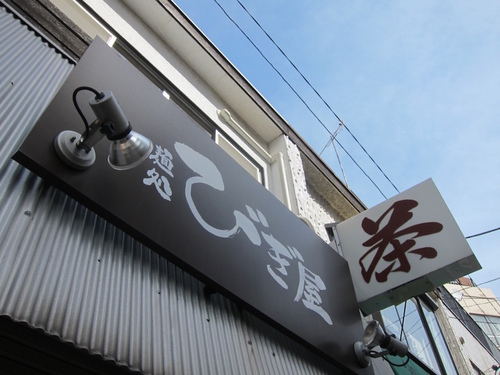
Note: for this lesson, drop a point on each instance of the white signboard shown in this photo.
(403, 247)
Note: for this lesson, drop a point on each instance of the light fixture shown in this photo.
(374, 335)
(128, 148)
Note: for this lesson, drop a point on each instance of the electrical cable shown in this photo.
(482, 233)
(476, 285)
(492, 305)
(272, 66)
(488, 323)
(316, 92)
(362, 170)
(399, 320)
(469, 297)
(395, 364)
(75, 103)
(295, 92)
(489, 281)
(492, 301)
(403, 322)
(487, 299)
(330, 140)
(340, 163)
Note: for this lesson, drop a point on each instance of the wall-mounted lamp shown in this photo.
(128, 148)
(374, 335)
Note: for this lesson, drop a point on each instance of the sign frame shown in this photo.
(403, 247)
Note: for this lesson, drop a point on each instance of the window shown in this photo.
(490, 325)
(413, 333)
(438, 338)
(241, 158)
(415, 324)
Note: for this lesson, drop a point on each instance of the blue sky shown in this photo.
(417, 83)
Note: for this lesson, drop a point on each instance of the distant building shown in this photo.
(481, 304)
(472, 344)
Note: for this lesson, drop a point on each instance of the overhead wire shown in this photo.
(489, 281)
(482, 233)
(317, 93)
(299, 96)
(495, 307)
(332, 141)
(488, 319)
(314, 89)
(487, 299)
(341, 122)
(332, 136)
(464, 287)
(491, 301)
(403, 322)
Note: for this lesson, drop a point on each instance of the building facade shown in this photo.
(472, 314)
(480, 303)
(79, 295)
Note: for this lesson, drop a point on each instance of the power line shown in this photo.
(272, 66)
(482, 233)
(465, 287)
(332, 141)
(490, 302)
(355, 162)
(316, 92)
(489, 281)
(299, 96)
(487, 299)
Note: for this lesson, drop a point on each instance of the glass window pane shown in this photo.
(413, 335)
(490, 325)
(406, 366)
(249, 165)
(439, 340)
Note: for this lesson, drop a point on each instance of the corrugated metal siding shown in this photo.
(67, 271)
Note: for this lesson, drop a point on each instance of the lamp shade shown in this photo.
(129, 151)
(374, 335)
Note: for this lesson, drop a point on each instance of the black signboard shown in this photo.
(194, 205)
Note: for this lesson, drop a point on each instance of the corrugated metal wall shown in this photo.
(67, 271)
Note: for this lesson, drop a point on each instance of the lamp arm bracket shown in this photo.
(89, 138)
(374, 354)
